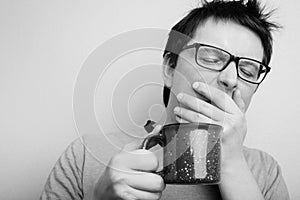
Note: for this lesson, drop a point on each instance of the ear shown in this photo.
(167, 72)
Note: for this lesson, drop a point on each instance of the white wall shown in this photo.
(43, 45)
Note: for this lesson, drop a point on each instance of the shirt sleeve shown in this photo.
(65, 180)
(276, 187)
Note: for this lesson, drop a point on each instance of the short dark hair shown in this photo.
(246, 13)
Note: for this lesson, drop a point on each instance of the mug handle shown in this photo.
(152, 140)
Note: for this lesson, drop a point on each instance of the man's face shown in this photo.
(232, 37)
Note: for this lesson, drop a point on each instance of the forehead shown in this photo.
(230, 36)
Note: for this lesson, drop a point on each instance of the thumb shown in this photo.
(134, 145)
(156, 129)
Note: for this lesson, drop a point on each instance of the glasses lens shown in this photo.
(212, 58)
(216, 59)
(252, 71)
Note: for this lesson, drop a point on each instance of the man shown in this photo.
(209, 76)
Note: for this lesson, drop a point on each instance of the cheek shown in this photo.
(247, 93)
(184, 77)
(186, 73)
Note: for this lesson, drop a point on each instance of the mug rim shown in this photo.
(192, 124)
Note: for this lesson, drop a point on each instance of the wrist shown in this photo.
(232, 165)
(237, 180)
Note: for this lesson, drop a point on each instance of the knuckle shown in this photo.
(198, 105)
(203, 104)
(183, 97)
(115, 177)
(148, 157)
(178, 119)
(161, 184)
(157, 195)
(197, 117)
(117, 165)
(153, 159)
(116, 160)
(126, 195)
(215, 115)
(118, 189)
(123, 192)
(158, 182)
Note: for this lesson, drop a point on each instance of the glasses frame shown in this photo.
(234, 58)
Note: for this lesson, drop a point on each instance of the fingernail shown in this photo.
(158, 127)
(179, 96)
(176, 110)
(196, 85)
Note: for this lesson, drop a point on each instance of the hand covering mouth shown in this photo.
(205, 99)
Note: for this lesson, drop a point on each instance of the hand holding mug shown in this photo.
(129, 175)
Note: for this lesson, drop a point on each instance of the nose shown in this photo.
(227, 79)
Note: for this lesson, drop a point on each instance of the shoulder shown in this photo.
(261, 163)
(267, 173)
(259, 157)
(99, 148)
(88, 152)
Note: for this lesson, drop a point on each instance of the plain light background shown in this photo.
(43, 45)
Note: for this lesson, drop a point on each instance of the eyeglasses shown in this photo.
(216, 59)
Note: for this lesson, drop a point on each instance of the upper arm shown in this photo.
(65, 179)
(276, 187)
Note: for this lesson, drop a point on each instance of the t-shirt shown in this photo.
(77, 171)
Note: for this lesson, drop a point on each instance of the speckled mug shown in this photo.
(192, 152)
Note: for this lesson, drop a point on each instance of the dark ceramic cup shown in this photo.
(192, 152)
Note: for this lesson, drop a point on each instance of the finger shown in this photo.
(126, 192)
(141, 160)
(145, 181)
(192, 116)
(237, 98)
(134, 145)
(180, 120)
(139, 194)
(217, 96)
(156, 129)
(122, 191)
(200, 106)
